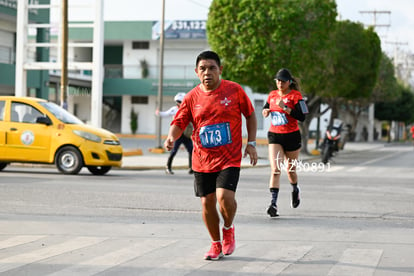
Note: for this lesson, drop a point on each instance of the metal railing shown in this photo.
(137, 72)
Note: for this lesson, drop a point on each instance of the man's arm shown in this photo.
(173, 134)
(251, 125)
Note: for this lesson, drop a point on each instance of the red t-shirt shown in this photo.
(216, 117)
(281, 121)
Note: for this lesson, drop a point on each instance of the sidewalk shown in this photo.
(139, 153)
(150, 160)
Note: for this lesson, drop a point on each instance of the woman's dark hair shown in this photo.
(208, 55)
(294, 84)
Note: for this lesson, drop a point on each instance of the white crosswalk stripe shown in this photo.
(357, 262)
(49, 251)
(106, 261)
(175, 257)
(18, 240)
(276, 260)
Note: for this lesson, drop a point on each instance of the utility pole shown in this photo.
(371, 109)
(374, 13)
(396, 44)
(97, 64)
(64, 69)
(21, 51)
(403, 61)
(161, 75)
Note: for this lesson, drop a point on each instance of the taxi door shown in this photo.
(2, 128)
(26, 140)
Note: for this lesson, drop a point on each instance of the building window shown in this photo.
(6, 55)
(139, 99)
(140, 44)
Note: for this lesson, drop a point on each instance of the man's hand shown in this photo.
(251, 151)
(169, 144)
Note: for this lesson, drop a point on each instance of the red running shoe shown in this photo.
(215, 252)
(229, 243)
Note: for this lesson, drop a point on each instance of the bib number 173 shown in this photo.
(215, 135)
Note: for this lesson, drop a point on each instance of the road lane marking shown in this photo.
(335, 168)
(357, 169)
(379, 158)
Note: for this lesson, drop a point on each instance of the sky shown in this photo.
(398, 15)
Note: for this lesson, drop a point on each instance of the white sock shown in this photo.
(227, 228)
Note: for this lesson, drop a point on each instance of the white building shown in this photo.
(132, 62)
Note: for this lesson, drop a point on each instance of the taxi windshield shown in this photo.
(61, 114)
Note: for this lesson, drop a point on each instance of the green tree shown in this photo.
(354, 69)
(397, 108)
(354, 62)
(257, 38)
(144, 68)
(386, 86)
(134, 121)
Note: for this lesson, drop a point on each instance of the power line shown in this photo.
(374, 13)
(396, 43)
(198, 4)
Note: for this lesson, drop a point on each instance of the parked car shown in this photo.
(34, 130)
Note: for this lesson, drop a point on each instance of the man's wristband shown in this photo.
(252, 143)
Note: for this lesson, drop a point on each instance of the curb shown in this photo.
(162, 167)
(132, 152)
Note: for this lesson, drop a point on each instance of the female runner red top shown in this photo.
(282, 122)
(216, 117)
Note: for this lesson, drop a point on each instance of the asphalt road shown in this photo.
(356, 218)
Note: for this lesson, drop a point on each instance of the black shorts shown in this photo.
(289, 141)
(206, 183)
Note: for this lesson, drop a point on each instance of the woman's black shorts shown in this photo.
(206, 183)
(289, 141)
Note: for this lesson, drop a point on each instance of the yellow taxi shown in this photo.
(34, 130)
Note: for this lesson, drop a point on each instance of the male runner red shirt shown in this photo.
(216, 117)
(282, 122)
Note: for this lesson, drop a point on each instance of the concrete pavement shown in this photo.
(350, 222)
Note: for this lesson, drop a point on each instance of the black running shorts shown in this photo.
(206, 183)
(289, 141)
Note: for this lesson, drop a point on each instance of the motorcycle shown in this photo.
(331, 143)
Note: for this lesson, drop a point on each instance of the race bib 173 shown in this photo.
(215, 135)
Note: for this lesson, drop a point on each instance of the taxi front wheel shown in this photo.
(69, 160)
(99, 170)
(2, 165)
